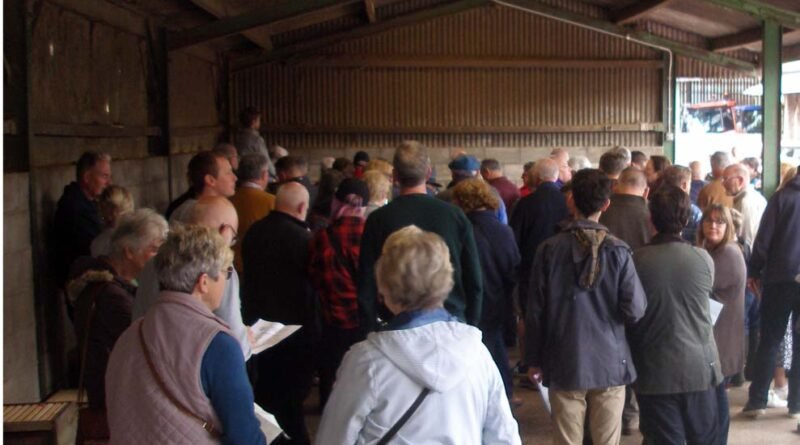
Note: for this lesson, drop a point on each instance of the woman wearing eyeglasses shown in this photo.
(718, 237)
(177, 375)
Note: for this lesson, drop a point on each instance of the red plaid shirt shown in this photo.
(330, 273)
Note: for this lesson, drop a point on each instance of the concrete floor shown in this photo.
(774, 428)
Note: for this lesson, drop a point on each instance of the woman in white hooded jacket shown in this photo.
(423, 347)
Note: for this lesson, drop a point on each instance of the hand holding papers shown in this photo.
(715, 308)
(268, 334)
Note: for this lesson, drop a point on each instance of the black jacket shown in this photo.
(776, 250)
(535, 219)
(76, 223)
(499, 259)
(575, 329)
(275, 253)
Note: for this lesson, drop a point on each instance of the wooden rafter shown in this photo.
(243, 22)
(221, 9)
(637, 36)
(303, 48)
(369, 8)
(734, 41)
(637, 11)
(762, 11)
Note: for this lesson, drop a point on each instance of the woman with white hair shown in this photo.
(104, 288)
(177, 374)
(425, 368)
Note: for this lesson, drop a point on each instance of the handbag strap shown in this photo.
(404, 418)
(207, 424)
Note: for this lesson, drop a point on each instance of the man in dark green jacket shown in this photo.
(673, 344)
(413, 206)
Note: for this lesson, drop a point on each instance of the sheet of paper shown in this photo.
(545, 393)
(715, 309)
(269, 333)
(269, 426)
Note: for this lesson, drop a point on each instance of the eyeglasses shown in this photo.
(235, 236)
(719, 222)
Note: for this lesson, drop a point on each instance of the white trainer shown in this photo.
(774, 401)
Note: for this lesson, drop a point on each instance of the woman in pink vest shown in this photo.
(177, 374)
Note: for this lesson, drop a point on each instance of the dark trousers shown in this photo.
(724, 411)
(283, 381)
(495, 343)
(333, 345)
(676, 419)
(779, 301)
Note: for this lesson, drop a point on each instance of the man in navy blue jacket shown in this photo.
(775, 265)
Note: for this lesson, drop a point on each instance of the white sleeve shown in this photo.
(230, 310)
(350, 402)
(499, 427)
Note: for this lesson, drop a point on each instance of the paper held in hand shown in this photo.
(269, 425)
(715, 308)
(269, 333)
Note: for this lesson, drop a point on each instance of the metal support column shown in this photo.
(771, 100)
(668, 94)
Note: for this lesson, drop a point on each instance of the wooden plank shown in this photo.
(600, 128)
(321, 15)
(791, 53)
(637, 11)
(104, 12)
(641, 37)
(195, 131)
(93, 131)
(734, 41)
(367, 61)
(762, 11)
(369, 8)
(302, 48)
(242, 22)
(31, 417)
(260, 36)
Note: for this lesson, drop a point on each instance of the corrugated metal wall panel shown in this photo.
(495, 31)
(404, 99)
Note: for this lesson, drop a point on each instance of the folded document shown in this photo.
(269, 333)
(269, 426)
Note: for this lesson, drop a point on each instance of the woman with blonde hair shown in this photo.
(500, 258)
(718, 236)
(114, 202)
(380, 190)
(426, 378)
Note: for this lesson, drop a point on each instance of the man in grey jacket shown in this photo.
(583, 292)
(673, 345)
(249, 140)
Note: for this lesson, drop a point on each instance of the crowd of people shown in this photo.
(637, 292)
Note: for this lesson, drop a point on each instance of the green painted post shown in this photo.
(668, 95)
(771, 100)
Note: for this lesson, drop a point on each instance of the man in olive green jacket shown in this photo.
(673, 344)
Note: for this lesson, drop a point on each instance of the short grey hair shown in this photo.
(251, 167)
(414, 270)
(411, 163)
(578, 163)
(188, 252)
(720, 159)
(137, 230)
(546, 169)
(625, 152)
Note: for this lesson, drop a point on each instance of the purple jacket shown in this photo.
(776, 250)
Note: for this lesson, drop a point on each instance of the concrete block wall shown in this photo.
(511, 158)
(20, 361)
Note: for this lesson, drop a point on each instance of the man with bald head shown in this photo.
(536, 218)
(217, 213)
(746, 200)
(277, 288)
(627, 217)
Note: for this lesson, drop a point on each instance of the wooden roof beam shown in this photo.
(261, 37)
(637, 11)
(761, 11)
(739, 39)
(303, 48)
(246, 21)
(635, 36)
(369, 8)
